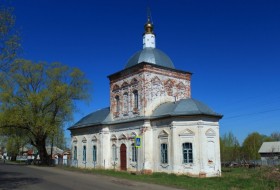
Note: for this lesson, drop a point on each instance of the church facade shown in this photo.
(150, 101)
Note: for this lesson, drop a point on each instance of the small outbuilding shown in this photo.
(270, 151)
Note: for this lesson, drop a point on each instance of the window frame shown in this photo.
(135, 99)
(75, 152)
(117, 99)
(114, 152)
(134, 153)
(187, 151)
(164, 153)
(94, 153)
(84, 153)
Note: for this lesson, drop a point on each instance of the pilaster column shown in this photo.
(174, 148)
(218, 153)
(201, 150)
(147, 138)
(104, 148)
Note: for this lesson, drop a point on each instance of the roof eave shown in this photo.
(154, 65)
(187, 115)
(84, 126)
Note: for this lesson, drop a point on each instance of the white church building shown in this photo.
(150, 100)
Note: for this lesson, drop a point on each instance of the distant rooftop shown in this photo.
(269, 147)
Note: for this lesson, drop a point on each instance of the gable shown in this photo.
(187, 132)
(114, 137)
(210, 132)
(94, 138)
(163, 133)
(122, 137)
(75, 140)
(84, 140)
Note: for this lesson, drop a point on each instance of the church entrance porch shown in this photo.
(123, 157)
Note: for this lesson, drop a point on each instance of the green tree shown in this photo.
(9, 38)
(14, 144)
(3, 143)
(251, 146)
(13, 141)
(38, 98)
(57, 139)
(230, 148)
(275, 136)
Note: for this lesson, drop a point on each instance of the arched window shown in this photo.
(117, 99)
(134, 153)
(84, 153)
(164, 153)
(114, 153)
(94, 153)
(125, 102)
(75, 152)
(135, 98)
(187, 153)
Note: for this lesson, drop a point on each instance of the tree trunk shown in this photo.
(14, 157)
(41, 146)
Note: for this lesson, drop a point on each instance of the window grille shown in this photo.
(134, 153)
(187, 153)
(94, 153)
(135, 94)
(75, 152)
(117, 98)
(84, 153)
(114, 153)
(164, 153)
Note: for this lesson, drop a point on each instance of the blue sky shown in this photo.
(232, 47)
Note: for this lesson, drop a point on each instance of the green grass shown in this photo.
(232, 179)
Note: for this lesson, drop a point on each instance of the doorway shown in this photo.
(123, 157)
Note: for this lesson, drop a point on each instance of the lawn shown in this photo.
(232, 179)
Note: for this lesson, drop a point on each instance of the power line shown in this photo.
(250, 114)
(257, 97)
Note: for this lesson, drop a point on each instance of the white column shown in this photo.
(218, 153)
(147, 147)
(104, 148)
(174, 158)
(201, 150)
